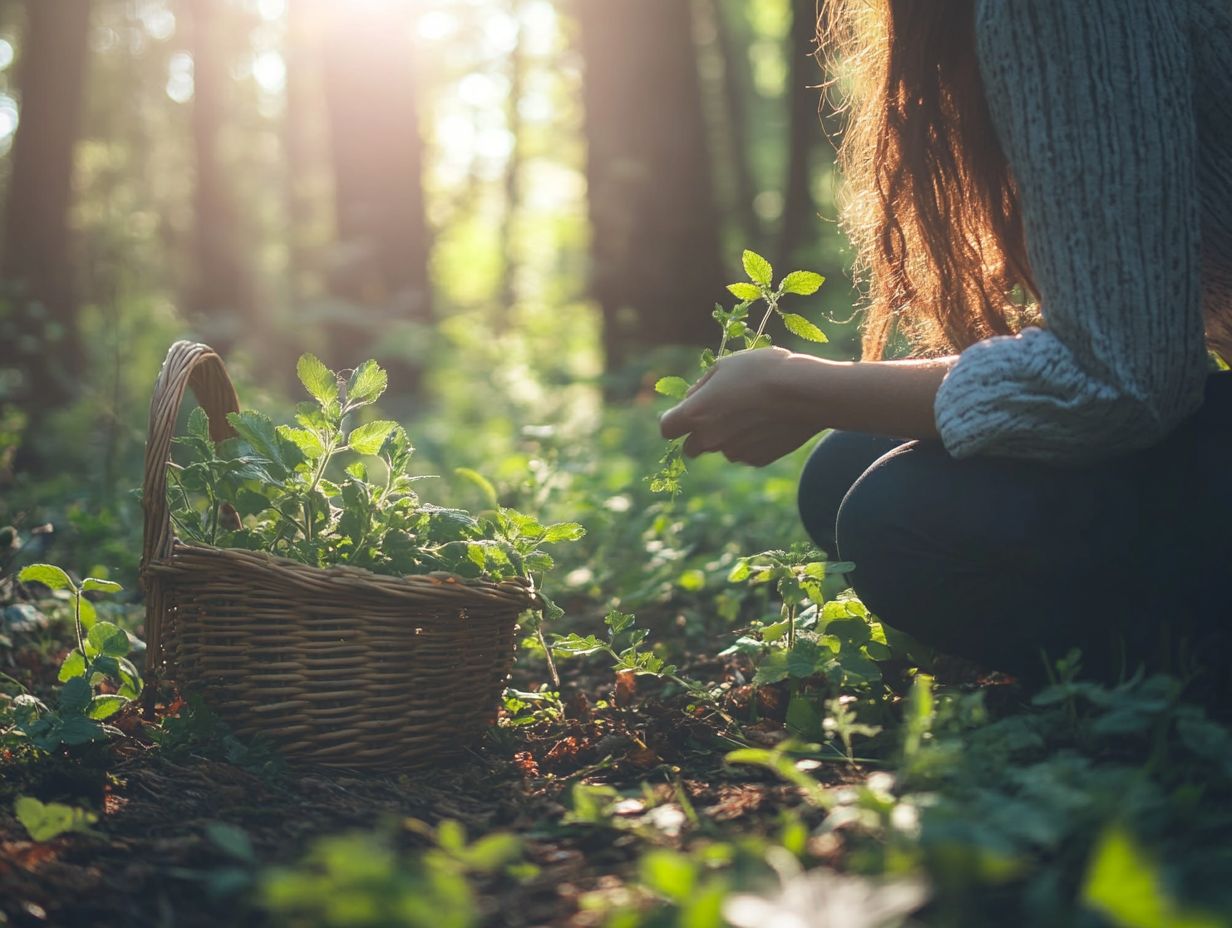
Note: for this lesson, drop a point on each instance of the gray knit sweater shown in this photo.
(1116, 118)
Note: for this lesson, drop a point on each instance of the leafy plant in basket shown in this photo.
(329, 490)
(101, 656)
(734, 322)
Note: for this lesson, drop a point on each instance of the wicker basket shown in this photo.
(337, 666)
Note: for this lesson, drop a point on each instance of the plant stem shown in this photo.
(77, 627)
(772, 305)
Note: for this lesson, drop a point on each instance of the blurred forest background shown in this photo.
(517, 205)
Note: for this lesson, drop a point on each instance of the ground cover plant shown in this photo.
(710, 729)
(725, 736)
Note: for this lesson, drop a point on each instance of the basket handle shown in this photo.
(197, 367)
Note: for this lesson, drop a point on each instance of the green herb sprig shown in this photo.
(734, 322)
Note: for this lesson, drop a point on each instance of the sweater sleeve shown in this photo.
(1092, 104)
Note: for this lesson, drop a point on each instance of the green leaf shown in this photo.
(44, 821)
(49, 575)
(746, 292)
(804, 283)
(804, 717)
(803, 658)
(109, 639)
(307, 442)
(761, 341)
(618, 621)
(772, 669)
(1126, 886)
(260, 433)
(757, 267)
(75, 695)
(491, 853)
(675, 387)
(577, 645)
(318, 380)
(199, 425)
(106, 705)
(102, 586)
(369, 437)
(670, 874)
(563, 531)
(74, 666)
(367, 383)
(798, 325)
(77, 729)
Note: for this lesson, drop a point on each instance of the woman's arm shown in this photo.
(756, 406)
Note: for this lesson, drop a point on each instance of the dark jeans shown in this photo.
(999, 560)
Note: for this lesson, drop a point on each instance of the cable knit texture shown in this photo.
(1116, 118)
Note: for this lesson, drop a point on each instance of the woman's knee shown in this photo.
(834, 465)
(887, 526)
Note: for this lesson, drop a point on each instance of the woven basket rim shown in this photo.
(347, 577)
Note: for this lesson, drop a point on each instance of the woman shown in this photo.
(1049, 472)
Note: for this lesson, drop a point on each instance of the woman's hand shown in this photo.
(740, 408)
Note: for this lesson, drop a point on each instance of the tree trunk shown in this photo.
(508, 296)
(37, 241)
(655, 229)
(804, 132)
(222, 296)
(737, 88)
(381, 265)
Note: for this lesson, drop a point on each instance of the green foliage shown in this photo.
(360, 879)
(624, 646)
(817, 645)
(735, 327)
(44, 821)
(101, 656)
(1087, 801)
(197, 730)
(281, 488)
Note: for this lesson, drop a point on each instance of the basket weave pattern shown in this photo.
(336, 666)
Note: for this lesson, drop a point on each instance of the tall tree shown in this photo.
(805, 101)
(655, 235)
(223, 291)
(513, 166)
(37, 240)
(382, 265)
(731, 30)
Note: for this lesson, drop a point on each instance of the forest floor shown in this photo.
(628, 802)
(156, 856)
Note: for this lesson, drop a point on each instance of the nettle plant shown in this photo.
(739, 335)
(326, 492)
(101, 656)
(820, 645)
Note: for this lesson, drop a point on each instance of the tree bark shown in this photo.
(513, 170)
(655, 235)
(37, 241)
(804, 131)
(737, 88)
(223, 295)
(381, 265)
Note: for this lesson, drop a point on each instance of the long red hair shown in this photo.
(932, 208)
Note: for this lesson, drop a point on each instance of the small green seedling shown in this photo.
(734, 323)
(629, 658)
(101, 655)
